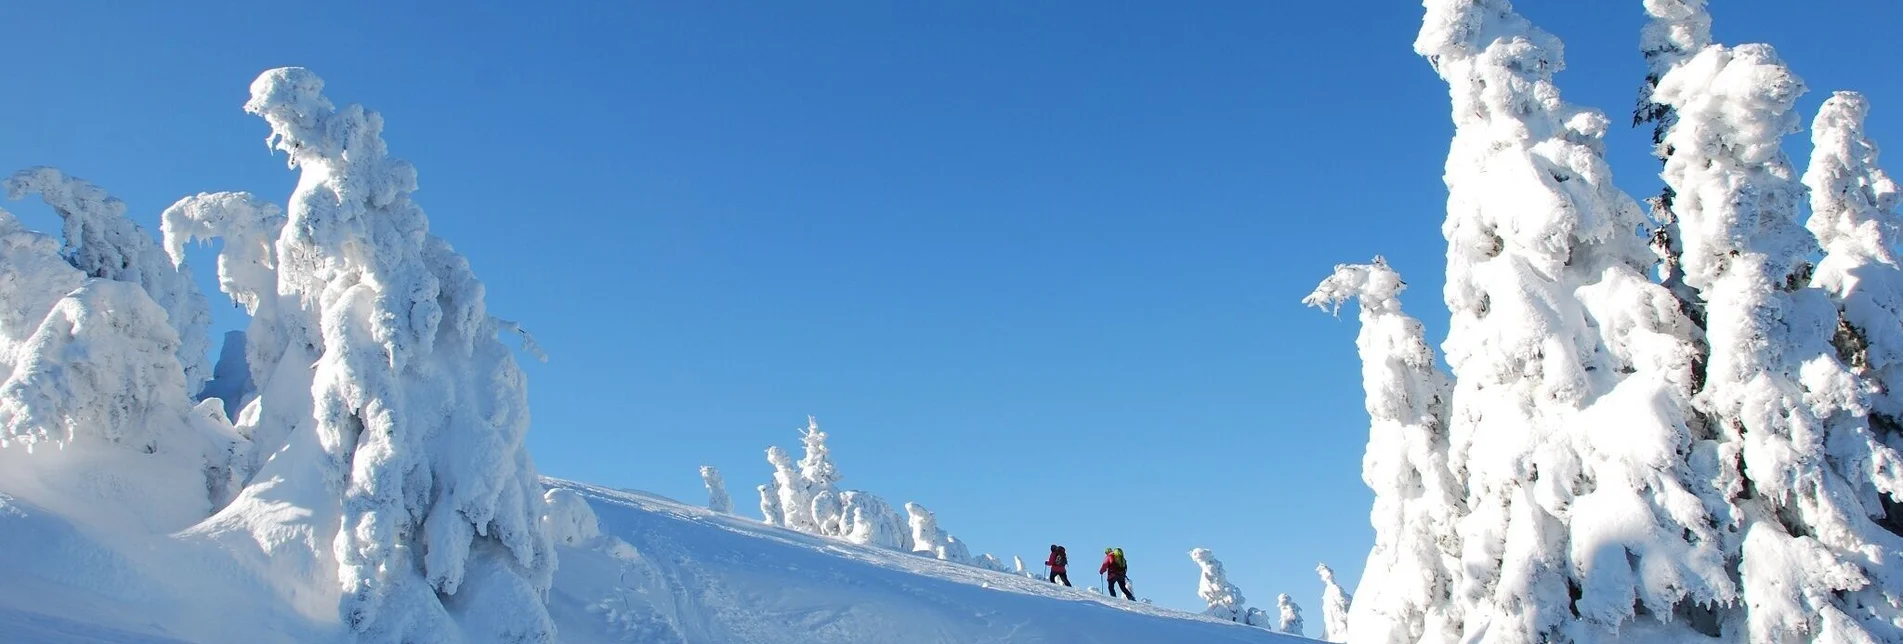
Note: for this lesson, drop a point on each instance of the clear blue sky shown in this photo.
(1035, 265)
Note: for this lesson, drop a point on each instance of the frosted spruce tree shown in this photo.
(1290, 620)
(770, 512)
(1678, 30)
(1225, 600)
(1573, 372)
(1854, 216)
(1815, 564)
(380, 347)
(1335, 606)
(717, 499)
(101, 242)
(795, 501)
(932, 540)
(821, 479)
(96, 412)
(867, 519)
(1417, 500)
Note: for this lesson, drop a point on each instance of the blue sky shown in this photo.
(1035, 265)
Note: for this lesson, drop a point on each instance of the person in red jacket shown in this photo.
(1116, 572)
(1057, 562)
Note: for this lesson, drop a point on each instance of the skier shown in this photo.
(1057, 562)
(1117, 571)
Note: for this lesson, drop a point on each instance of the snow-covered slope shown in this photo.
(692, 575)
(659, 571)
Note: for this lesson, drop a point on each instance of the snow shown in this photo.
(650, 570)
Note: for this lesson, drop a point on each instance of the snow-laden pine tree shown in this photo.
(1335, 606)
(869, 520)
(1225, 600)
(795, 502)
(770, 512)
(1589, 510)
(717, 499)
(1290, 620)
(933, 541)
(101, 242)
(1815, 564)
(384, 376)
(1678, 30)
(1417, 500)
(1854, 216)
(821, 479)
(96, 415)
(247, 273)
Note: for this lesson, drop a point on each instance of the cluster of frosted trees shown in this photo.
(1685, 433)
(805, 496)
(1225, 601)
(370, 390)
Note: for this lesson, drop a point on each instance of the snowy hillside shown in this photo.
(658, 571)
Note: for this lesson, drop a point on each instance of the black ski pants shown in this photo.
(1125, 583)
(1056, 575)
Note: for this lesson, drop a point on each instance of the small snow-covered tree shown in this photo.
(928, 538)
(100, 383)
(1224, 598)
(1291, 615)
(869, 520)
(795, 503)
(770, 512)
(717, 499)
(101, 242)
(247, 273)
(1335, 606)
(419, 409)
(568, 518)
(821, 479)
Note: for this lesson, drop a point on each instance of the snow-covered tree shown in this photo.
(1815, 565)
(1588, 503)
(1854, 216)
(568, 518)
(99, 383)
(93, 398)
(247, 273)
(717, 499)
(1291, 615)
(821, 480)
(869, 520)
(391, 360)
(101, 242)
(770, 512)
(1224, 599)
(928, 538)
(1417, 500)
(1335, 606)
(795, 502)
